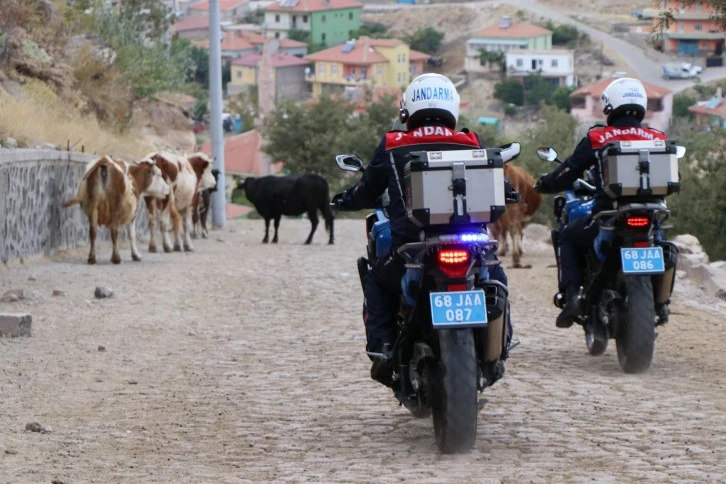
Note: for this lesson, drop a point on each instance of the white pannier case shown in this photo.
(640, 168)
(455, 187)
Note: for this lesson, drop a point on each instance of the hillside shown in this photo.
(61, 84)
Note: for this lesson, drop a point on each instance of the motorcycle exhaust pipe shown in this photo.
(663, 283)
(492, 339)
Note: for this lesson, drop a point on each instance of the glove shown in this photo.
(337, 201)
(512, 197)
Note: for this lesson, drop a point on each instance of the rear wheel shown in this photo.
(636, 330)
(454, 388)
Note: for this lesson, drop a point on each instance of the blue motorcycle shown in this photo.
(629, 272)
(452, 320)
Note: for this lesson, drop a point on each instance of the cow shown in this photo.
(108, 194)
(186, 176)
(275, 196)
(517, 215)
(200, 208)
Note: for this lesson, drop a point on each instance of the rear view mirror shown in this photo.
(546, 153)
(349, 162)
(680, 151)
(510, 151)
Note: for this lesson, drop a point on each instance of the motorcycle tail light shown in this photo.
(637, 222)
(641, 243)
(454, 262)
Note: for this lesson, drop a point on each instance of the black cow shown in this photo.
(275, 196)
(200, 208)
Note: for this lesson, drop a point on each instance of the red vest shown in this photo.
(599, 137)
(430, 135)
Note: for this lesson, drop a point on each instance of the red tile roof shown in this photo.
(415, 55)
(281, 59)
(522, 29)
(243, 40)
(651, 90)
(362, 54)
(224, 5)
(702, 108)
(242, 153)
(194, 22)
(313, 6)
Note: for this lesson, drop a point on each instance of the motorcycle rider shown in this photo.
(624, 103)
(429, 113)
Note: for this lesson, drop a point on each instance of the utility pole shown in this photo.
(219, 198)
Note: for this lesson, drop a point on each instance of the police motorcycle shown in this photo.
(452, 319)
(629, 272)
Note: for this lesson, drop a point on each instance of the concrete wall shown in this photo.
(33, 186)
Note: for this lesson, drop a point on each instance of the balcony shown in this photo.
(350, 80)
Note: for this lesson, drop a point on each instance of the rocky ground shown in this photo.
(243, 362)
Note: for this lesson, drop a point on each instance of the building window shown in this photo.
(334, 70)
(321, 69)
(698, 7)
(380, 71)
(350, 16)
(403, 58)
(681, 27)
(239, 73)
(277, 35)
(322, 36)
(305, 19)
(277, 19)
(698, 27)
(578, 102)
(520, 62)
(352, 71)
(322, 19)
(363, 71)
(553, 63)
(655, 105)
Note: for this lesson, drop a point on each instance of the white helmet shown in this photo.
(624, 96)
(430, 97)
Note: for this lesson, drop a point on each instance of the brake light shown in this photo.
(454, 256)
(637, 222)
(454, 262)
(641, 243)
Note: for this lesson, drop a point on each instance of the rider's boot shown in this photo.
(382, 368)
(572, 308)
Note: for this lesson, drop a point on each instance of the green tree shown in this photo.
(665, 18)
(427, 40)
(681, 103)
(539, 89)
(299, 35)
(561, 98)
(509, 91)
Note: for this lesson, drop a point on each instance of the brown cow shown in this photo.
(108, 194)
(517, 215)
(186, 175)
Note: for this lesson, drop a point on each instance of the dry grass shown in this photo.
(41, 117)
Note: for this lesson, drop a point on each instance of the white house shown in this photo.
(504, 37)
(557, 65)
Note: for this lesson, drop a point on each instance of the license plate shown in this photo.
(459, 309)
(642, 260)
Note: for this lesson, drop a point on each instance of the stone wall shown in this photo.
(33, 186)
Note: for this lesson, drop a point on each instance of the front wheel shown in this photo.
(635, 341)
(454, 402)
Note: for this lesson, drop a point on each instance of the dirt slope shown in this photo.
(243, 362)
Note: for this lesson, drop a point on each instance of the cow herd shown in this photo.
(177, 189)
(110, 190)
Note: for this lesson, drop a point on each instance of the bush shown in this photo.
(681, 103)
(426, 40)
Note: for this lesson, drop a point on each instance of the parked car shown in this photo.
(682, 71)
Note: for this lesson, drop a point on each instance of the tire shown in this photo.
(454, 392)
(636, 330)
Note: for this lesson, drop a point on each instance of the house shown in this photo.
(417, 63)
(504, 37)
(329, 22)
(243, 157)
(365, 61)
(238, 43)
(586, 106)
(194, 27)
(228, 9)
(712, 113)
(288, 72)
(695, 29)
(556, 65)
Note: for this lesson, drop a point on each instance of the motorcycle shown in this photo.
(629, 272)
(453, 332)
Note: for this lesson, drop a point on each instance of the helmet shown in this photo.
(624, 96)
(430, 98)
